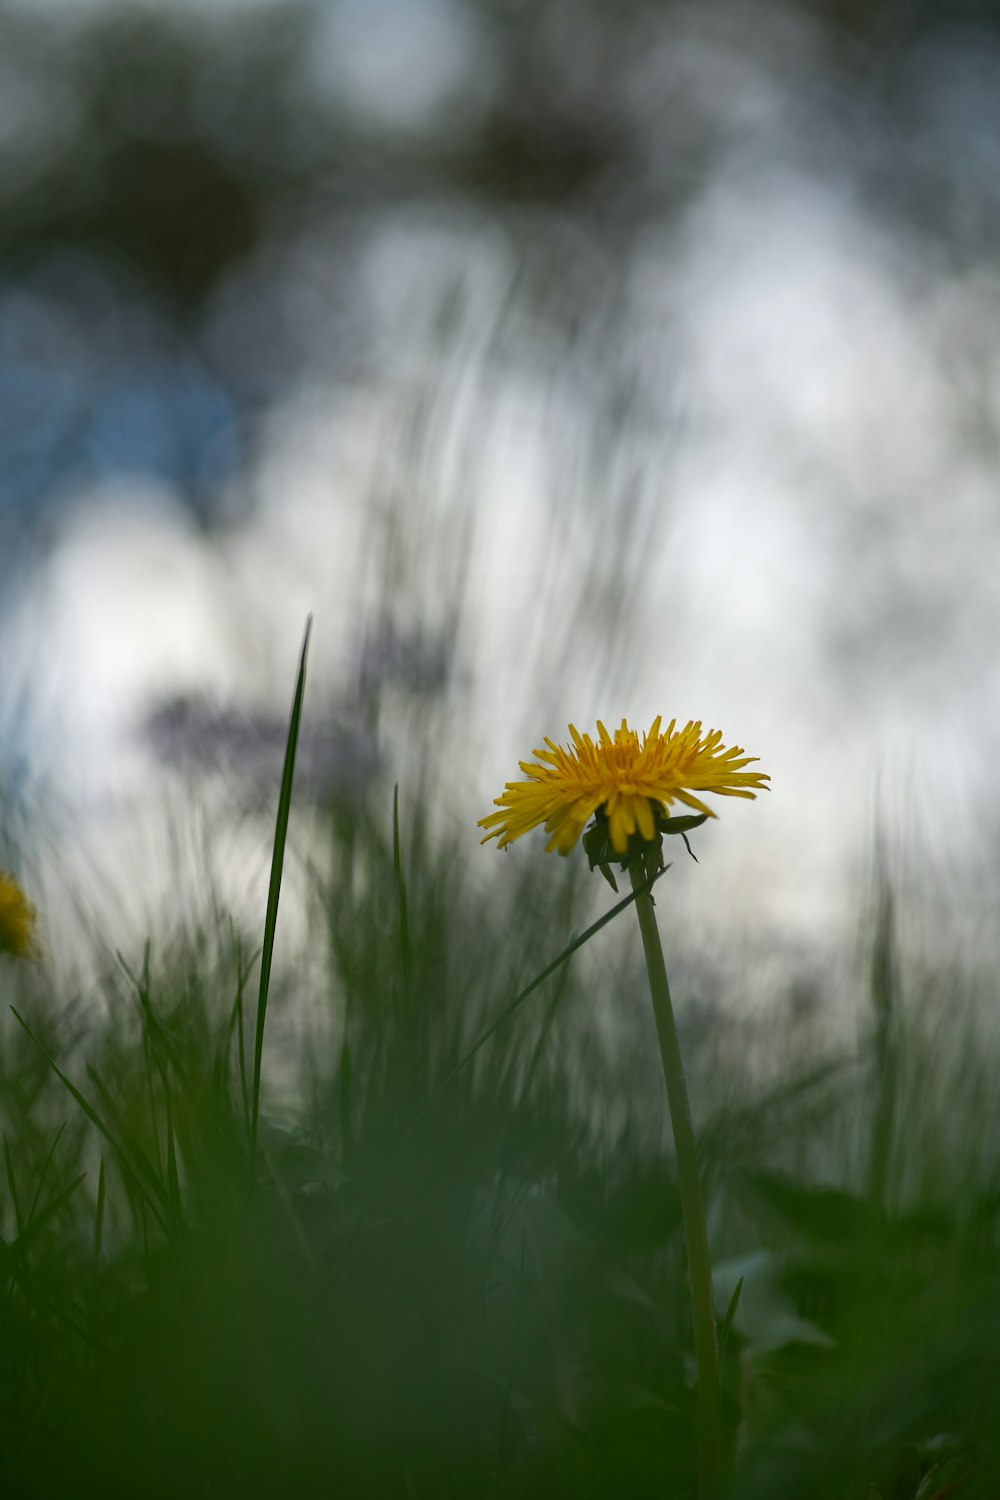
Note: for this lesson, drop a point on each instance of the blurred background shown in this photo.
(566, 361)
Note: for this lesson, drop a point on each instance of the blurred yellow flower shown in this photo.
(628, 780)
(17, 919)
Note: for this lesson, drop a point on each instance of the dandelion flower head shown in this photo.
(630, 781)
(17, 919)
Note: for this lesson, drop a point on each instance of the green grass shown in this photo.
(435, 1269)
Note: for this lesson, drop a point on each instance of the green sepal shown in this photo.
(683, 824)
(601, 853)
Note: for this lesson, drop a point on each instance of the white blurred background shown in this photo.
(565, 361)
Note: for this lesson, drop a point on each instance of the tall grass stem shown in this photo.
(692, 1199)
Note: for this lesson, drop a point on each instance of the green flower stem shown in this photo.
(692, 1202)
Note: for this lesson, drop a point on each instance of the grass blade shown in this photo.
(45, 1171)
(99, 1216)
(117, 1146)
(727, 1323)
(405, 954)
(345, 1107)
(274, 888)
(12, 1185)
(33, 1230)
(140, 1160)
(236, 1026)
(539, 979)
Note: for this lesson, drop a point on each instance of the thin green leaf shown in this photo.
(405, 954)
(727, 1322)
(45, 1172)
(92, 1115)
(140, 1160)
(539, 979)
(236, 1025)
(12, 1184)
(345, 1105)
(274, 888)
(99, 1214)
(34, 1229)
(173, 1181)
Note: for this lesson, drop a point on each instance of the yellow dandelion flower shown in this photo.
(626, 780)
(17, 919)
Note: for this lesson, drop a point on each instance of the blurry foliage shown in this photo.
(474, 1286)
